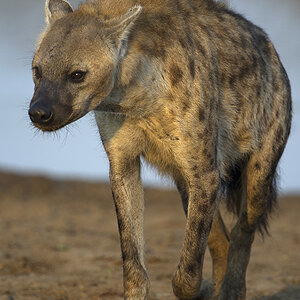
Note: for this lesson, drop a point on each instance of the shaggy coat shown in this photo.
(195, 89)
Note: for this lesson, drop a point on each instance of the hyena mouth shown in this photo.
(49, 121)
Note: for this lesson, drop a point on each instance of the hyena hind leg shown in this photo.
(218, 244)
(258, 195)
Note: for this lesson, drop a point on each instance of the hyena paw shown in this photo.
(207, 290)
(187, 288)
(137, 293)
(232, 292)
(136, 286)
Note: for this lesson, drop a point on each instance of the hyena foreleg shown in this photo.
(123, 154)
(128, 197)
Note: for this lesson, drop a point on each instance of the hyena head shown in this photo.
(75, 64)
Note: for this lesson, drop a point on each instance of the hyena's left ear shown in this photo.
(118, 28)
(56, 9)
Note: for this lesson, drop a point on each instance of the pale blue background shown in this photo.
(78, 152)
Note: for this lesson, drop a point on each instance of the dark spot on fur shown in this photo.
(244, 71)
(205, 132)
(165, 19)
(239, 101)
(276, 86)
(200, 48)
(209, 156)
(258, 91)
(279, 135)
(187, 93)
(156, 26)
(221, 18)
(205, 152)
(257, 166)
(201, 115)
(189, 37)
(264, 111)
(182, 43)
(192, 67)
(213, 198)
(176, 74)
(204, 28)
(185, 107)
(191, 269)
(212, 80)
(173, 138)
(153, 50)
(201, 225)
(213, 181)
(254, 62)
(194, 224)
(232, 79)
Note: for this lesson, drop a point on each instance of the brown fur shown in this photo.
(195, 89)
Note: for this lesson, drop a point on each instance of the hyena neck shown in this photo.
(139, 87)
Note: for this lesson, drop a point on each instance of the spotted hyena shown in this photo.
(195, 89)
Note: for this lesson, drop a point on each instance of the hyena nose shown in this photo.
(40, 114)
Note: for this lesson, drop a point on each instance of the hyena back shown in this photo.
(195, 89)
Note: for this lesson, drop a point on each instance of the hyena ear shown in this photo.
(118, 28)
(56, 9)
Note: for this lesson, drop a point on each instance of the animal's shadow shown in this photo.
(288, 293)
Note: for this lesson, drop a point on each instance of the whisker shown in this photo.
(36, 131)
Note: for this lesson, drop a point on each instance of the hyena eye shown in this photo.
(77, 76)
(37, 73)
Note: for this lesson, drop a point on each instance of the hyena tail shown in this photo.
(236, 196)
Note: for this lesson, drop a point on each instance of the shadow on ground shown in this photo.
(289, 293)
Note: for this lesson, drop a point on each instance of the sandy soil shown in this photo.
(59, 240)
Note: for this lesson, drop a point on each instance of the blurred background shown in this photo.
(77, 152)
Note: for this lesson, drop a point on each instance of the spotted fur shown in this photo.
(199, 92)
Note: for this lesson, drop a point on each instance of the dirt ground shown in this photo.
(59, 240)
